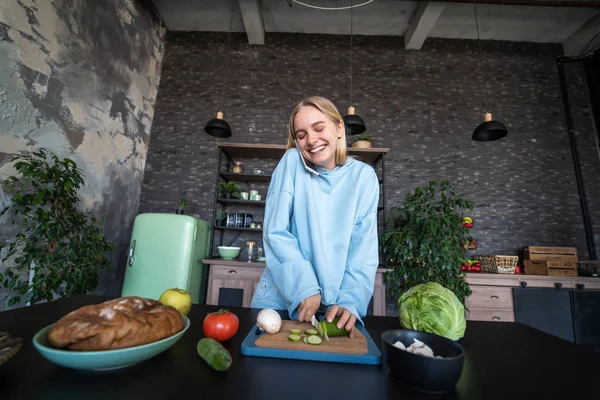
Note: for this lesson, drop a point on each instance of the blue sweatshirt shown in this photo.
(320, 236)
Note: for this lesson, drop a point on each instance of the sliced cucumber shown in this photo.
(311, 332)
(294, 338)
(295, 331)
(305, 339)
(314, 339)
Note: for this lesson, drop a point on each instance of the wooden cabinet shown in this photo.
(490, 303)
(379, 293)
(224, 274)
(226, 277)
(492, 297)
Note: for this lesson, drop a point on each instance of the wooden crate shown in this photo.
(535, 267)
(562, 272)
(543, 253)
(551, 250)
(552, 268)
(562, 268)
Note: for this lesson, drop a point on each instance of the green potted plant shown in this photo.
(423, 240)
(220, 217)
(183, 204)
(362, 141)
(227, 190)
(61, 248)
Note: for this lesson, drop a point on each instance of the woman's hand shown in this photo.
(347, 319)
(308, 307)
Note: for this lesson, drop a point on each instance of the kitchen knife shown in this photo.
(319, 329)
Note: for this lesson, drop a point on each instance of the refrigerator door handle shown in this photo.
(131, 251)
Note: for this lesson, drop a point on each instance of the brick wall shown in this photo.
(422, 105)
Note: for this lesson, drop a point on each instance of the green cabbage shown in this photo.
(430, 307)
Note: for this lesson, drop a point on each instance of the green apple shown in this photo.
(178, 299)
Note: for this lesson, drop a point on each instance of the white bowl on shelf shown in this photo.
(229, 252)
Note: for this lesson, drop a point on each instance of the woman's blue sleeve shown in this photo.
(293, 275)
(357, 285)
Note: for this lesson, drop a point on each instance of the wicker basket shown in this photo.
(361, 144)
(498, 264)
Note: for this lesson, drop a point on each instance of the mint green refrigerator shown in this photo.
(166, 251)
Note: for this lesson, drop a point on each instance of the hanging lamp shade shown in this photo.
(489, 130)
(354, 124)
(218, 127)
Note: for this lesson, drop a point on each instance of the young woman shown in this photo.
(320, 231)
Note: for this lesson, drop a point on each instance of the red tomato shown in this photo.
(221, 325)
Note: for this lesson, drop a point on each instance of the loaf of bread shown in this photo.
(116, 324)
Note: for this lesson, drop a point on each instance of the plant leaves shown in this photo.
(422, 240)
(63, 246)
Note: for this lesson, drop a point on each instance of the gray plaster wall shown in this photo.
(422, 105)
(80, 78)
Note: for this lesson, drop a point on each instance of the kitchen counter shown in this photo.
(502, 361)
(532, 280)
(492, 297)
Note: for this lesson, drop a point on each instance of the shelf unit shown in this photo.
(232, 152)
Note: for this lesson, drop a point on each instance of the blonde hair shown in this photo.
(327, 108)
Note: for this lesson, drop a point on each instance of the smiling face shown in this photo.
(317, 136)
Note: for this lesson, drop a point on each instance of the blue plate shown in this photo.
(107, 359)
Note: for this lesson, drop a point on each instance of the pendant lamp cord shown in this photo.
(480, 58)
(226, 60)
(351, 47)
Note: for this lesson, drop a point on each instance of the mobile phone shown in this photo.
(308, 165)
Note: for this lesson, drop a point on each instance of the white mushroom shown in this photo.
(420, 348)
(269, 321)
(424, 351)
(400, 345)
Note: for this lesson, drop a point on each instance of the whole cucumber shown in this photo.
(331, 329)
(214, 354)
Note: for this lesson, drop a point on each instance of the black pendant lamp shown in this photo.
(354, 124)
(218, 127)
(489, 130)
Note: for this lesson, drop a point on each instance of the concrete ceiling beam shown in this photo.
(544, 3)
(584, 39)
(253, 21)
(426, 15)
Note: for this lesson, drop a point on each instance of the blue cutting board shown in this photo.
(338, 349)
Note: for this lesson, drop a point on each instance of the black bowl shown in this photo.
(427, 374)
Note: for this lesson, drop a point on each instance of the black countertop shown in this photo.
(503, 361)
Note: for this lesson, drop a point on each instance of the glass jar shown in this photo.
(251, 251)
(260, 254)
(237, 167)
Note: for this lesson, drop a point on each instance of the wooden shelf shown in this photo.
(234, 263)
(276, 151)
(245, 177)
(232, 228)
(238, 202)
